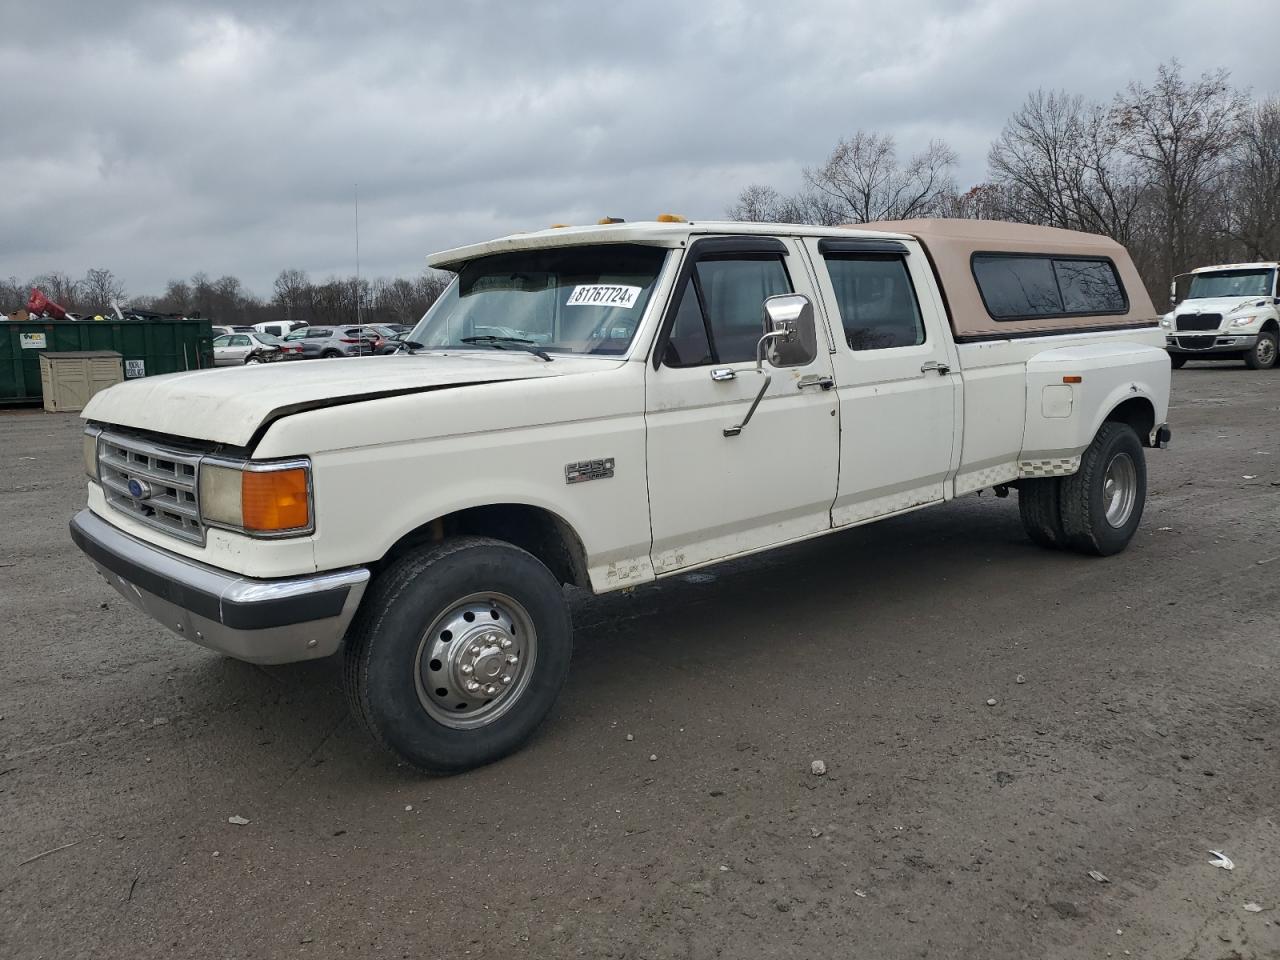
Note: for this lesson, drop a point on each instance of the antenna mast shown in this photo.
(359, 312)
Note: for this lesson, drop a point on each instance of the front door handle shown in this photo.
(723, 373)
(942, 368)
(815, 380)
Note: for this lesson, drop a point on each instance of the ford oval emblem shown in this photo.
(139, 489)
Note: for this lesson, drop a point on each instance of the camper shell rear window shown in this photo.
(1021, 286)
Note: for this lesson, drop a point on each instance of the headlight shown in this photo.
(260, 499)
(1243, 321)
(91, 451)
(1166, 322)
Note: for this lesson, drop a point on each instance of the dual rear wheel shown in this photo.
(1098, 508)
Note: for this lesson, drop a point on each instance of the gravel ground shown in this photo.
(1141, 736)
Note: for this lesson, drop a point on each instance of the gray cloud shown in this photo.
(162, 138)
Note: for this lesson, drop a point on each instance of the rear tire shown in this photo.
(466, 611)
(1263, 354)
(1039, 503)
(1102, 502)
(330, 354)
(1176, 361)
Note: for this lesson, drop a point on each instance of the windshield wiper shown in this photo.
(412, 345)
(497, 344)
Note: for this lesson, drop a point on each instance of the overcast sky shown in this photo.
(158, 139)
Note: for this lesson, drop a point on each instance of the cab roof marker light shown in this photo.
(671, 218)
(559, 226)
(605, 221)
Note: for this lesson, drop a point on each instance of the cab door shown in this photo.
(897, 376)
(714, 492)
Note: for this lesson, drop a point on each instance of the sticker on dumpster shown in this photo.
(32, 341)
(135, 368)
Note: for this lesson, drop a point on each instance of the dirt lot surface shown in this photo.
(1142, 734)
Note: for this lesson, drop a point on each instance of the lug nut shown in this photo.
(466, 669)
(506, 679)
(505, 643)
(512, 658)
(472, 686)
(490, 690)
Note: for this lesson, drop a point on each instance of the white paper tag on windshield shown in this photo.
(603, 295)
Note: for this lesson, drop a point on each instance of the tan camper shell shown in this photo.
(976, 259)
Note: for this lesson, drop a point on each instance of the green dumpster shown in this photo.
(148, 347)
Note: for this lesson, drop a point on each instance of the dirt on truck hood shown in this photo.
(229, 404)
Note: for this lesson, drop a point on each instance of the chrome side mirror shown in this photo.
(791, 315)
(791, 339)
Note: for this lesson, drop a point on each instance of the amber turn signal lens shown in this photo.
(1073, 379)
(274, 499)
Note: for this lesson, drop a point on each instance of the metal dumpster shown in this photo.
(148, 347)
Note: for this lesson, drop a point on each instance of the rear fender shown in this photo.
(1072, 391)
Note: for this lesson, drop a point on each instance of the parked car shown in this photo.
(332, 342)
(233, 349)
(279, 328)
(220, 330)
(1227, 312)
(651, 398)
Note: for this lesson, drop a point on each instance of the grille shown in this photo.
(1199, 321)
(155, 485)
(1196, 343)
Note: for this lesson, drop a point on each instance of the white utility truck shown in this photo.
(1227, 312)
(609, 405)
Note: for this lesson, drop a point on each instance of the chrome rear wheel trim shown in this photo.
(475, 660)
(1119, 489)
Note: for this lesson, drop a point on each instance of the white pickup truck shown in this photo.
(605, 406)
(1227, 312)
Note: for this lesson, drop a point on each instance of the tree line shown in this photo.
(1183, 171)
(295, 296)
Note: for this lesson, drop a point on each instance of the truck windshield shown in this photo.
(582, 300)
(1231, 283)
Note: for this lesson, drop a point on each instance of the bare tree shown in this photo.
(59, 288)
(862, 180)
(1058, 162)
(291, 288)
(101, 288)
(1180, 133)
(1253, 212)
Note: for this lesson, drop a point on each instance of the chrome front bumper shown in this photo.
(261, 621)
(1215, 343)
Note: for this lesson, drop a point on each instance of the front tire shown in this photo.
(458, 653)
(1262, 356)
(1176, 361)
(1102, 502)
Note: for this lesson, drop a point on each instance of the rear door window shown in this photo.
(877, 302)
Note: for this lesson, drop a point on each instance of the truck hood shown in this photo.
(1222, 305)
(229, 405)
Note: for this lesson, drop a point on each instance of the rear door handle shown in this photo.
(723, 373)
(815, 380)
(942, 368)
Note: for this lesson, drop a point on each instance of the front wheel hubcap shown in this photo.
(1120, 489)
(1266, 351)
(475, 660)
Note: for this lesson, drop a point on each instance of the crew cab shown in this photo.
(609, 405)
(1226, 312)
